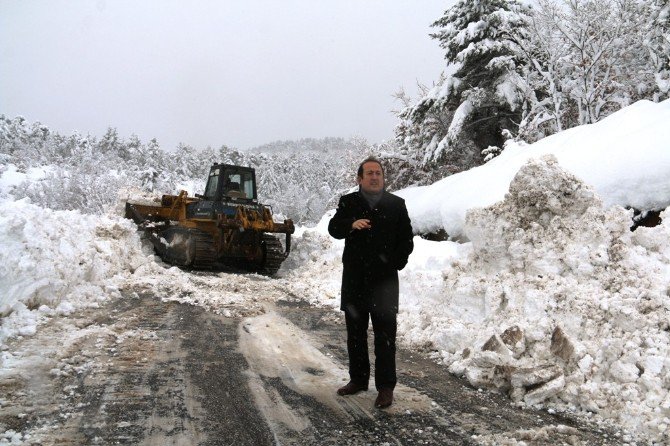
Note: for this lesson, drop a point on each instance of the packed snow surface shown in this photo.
(553, 301)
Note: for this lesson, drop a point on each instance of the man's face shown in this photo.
(373, 178)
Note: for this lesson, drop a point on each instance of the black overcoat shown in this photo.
(372, 257)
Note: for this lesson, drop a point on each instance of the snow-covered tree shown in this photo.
(23, 140)
(299, 179)
(302, 179)
(186, 161)
(424, 124)
(559, 64)
(466, 112)
(585, 59)
(605, 66)
(658, 44)
(110, 142)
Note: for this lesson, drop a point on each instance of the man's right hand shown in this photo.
(363, 223)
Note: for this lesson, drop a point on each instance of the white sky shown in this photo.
(240, 73)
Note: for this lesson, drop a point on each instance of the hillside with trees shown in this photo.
(88, 174)
(519, 72)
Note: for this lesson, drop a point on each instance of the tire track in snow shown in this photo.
(276, 348)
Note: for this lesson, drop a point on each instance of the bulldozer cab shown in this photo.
(227, 182)
(228, 186)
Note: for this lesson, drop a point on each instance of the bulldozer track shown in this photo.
(202, 252)
(274, 255)
(205, 253)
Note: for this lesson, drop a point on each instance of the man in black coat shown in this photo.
(378, 242)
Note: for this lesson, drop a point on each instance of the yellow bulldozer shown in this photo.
(224, 228)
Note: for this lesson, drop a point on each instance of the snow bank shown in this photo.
(54, 262)
(625, 157)
(557, 303)
(313, 270)
(554, 301)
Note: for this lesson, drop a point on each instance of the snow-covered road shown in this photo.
(139, 370)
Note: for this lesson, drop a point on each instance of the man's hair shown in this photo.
(370, 159)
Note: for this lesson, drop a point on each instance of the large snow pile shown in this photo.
(558, 302)
(625, 157)
(554, 302)
(55, 262)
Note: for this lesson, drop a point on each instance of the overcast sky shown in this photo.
(234, 72)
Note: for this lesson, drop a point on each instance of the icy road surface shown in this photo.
(144, 371)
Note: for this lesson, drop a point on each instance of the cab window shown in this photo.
(212, 184)
(239, 185)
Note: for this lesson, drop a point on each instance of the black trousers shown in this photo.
(384, 326)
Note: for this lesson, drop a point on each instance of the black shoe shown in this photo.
(384, 399)
(352, 388)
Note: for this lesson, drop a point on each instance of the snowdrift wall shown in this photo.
(625, 157)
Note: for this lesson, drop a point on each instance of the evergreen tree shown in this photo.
(186, 161)
(467, 112)
(130, 149)
(110, 142)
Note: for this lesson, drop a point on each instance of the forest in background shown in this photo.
(91, 175)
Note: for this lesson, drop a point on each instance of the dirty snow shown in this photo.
(553, 301)
(275, 348)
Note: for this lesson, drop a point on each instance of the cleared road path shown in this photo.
(145, 372)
